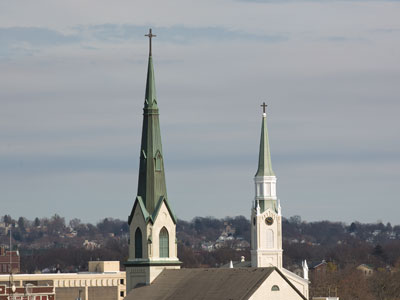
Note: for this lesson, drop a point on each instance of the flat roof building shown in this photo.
(104, 281)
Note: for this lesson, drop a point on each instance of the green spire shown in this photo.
(150, 99)
(151, 184)
(264, 160)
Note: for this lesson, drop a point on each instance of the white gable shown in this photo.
(275, 287)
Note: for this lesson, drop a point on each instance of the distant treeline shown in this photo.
(375, 244)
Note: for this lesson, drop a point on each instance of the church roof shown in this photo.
(210, 284)
(147, 217)
(264, 159)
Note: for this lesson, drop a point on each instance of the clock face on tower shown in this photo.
(269, 221)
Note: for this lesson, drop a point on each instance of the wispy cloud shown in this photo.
(27, 40)
(31, 40)
(72, 98)
(181, 34)
(341, 39)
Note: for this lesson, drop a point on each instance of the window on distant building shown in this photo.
(121, 281)
(164, 243)
(121, 293)
(138, 244)
(275, 288)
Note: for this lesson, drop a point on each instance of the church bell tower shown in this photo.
(266, 217)
(152, 224)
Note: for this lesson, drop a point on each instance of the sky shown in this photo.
(72, 83)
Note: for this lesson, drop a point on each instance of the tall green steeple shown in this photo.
(264, 159)
(151, 184)
(152, 224)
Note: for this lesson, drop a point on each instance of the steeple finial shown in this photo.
(264, 106)
(150, 35)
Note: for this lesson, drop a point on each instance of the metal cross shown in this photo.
(150, 35)
(264, 106)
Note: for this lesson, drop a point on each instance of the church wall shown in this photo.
(286, 292)
(267, 240)
(156, 270)
(138, 221)
(300, 283)
(136, 276)
(164, 219)
(264, 229)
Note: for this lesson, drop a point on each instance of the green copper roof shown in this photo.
(150, 100)
(264, 160)
(147, 217)
(151, 183)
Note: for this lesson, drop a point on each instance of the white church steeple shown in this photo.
(266, 224)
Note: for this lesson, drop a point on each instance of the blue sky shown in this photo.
(72, 88)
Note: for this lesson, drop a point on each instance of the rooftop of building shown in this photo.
(211, 284)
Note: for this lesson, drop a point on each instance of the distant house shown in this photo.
(208, 246)
(90, 245)
(366, 269)
(318, 266)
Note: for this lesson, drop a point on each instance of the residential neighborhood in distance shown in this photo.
(368, 250)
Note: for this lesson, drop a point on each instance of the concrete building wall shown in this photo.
(70, 293)
(101, 293)
(103, 266)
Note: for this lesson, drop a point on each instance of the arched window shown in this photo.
(270, 239)
(164, 242)
(275, 288)
(138, 244)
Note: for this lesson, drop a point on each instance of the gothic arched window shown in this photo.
(138, 244)
(164, 242)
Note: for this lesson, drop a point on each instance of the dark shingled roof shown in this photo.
(210, 284)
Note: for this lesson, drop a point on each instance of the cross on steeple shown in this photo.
(150, 35)
(264, 106)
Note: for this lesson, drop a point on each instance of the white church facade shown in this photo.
(266, 218)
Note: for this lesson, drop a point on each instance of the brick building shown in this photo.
(27, 292)
(5, 261)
